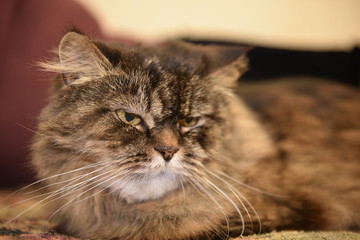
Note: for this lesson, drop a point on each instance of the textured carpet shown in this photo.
(294, 235)
(34, 225)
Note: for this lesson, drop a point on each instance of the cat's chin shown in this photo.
(162, 179)
(147, 189)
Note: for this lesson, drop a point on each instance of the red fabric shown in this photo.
(28, 31)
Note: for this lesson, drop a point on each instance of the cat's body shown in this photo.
(153, 144)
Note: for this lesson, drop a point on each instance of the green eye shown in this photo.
(128, 118)
(188, 122)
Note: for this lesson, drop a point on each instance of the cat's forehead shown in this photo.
(172, 58)
(161, 92)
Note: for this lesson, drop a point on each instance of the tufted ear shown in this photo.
(226, 63)
(79, 60)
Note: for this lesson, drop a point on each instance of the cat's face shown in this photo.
(149, 126)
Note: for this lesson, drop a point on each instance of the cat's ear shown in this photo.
(227, 63)
(79, 60)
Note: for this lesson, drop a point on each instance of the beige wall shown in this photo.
(303, 24)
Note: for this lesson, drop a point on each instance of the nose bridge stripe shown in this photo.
(167, 138)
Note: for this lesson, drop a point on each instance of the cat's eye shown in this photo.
(188, 122)
(128, 118)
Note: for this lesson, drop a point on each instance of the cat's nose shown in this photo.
(167, 152)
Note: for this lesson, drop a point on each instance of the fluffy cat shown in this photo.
(155, 143)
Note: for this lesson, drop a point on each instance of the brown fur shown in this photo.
(285, 155)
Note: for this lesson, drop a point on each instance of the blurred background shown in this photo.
(300, 37)
(298, 24)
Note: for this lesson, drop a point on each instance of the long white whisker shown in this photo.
(183, 189)
(72, 189)
(237, 193)
(103, 189)
(56, 175)
(82, 193)
(250, 187)
(126, 181)
(31, 130)
(57, 192)
(199, 186)
(80, 185)
(217, 189)
(68, 180)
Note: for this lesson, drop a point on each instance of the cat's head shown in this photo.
(149, 117)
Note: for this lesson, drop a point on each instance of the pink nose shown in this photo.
(167, 152)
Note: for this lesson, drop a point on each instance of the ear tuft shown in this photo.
(227, 63)
(79, 59)
(230, 74)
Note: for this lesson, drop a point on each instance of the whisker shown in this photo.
(202, 189)
(58, 191)
(55, 193)
(68, 180)
(82, 193)
(251, 187)
(217, 189)
(126, 181)
(56, 175)
(236, 194)
(72, 189)
(103, 189)
(31, 130)
(183, 189)
(80, 185)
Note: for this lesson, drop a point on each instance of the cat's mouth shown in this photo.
(148, 188)
(162, 179)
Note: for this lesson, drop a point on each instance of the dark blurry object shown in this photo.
(268, 63)
(340, 66)
(29, 30)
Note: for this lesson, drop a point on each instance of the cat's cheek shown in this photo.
(207, 138)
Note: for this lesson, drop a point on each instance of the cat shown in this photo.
(164, 143)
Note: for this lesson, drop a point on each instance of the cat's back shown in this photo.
(315, 126)
(306, 110)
